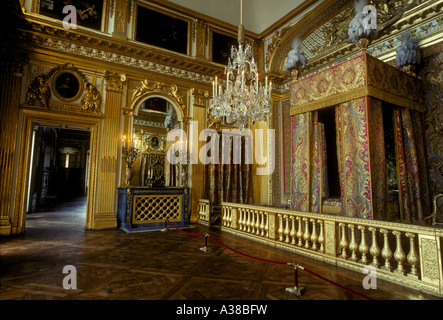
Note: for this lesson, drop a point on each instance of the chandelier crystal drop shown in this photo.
(244, 99)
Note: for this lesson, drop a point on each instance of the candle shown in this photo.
(227, 82)
(213, 88)
(216, 85)
(124, 141)
(242, 80)
(256, 82)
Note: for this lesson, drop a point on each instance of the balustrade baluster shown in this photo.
(262, 223)
(299, 232)
(292, 233)
(248, 221)
(412, 255)
(241, 219)
(344, 241)
(374, 250)
(321, 237)
(363, 248)
(307, 235)
(286, 232)
(252, 230)
(280, 227)
(386, 252)
(266, 216)
(314, 236)
(353, 244)
(399, 254)
(257, 223)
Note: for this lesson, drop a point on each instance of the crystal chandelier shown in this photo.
(244, 99)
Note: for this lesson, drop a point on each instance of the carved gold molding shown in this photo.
(42, 87)
(170, 90)
(114, 81)
(200, 97)
(12, 62)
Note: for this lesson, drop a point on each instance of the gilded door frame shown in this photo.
(30, 117)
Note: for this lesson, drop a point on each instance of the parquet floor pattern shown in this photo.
(114, 265)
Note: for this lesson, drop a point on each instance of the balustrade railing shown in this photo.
(409, 255)
(204, 210)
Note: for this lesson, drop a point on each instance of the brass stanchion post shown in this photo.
(295, 289)
(166, 226)
(205, 248)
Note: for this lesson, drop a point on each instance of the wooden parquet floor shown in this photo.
(114, 265)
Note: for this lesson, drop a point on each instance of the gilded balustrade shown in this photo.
(204, 211)
(409, 255)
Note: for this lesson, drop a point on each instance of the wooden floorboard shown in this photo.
(114, 265)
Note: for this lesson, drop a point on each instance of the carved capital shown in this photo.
(114, 81)
(12, 62)
(200, 97)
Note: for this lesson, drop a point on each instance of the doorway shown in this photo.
(58, 175)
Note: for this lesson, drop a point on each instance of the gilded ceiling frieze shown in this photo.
(118, 52)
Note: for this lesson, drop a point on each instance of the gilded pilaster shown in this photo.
(121, 10)
(200, 98)
(11, 72)
(200, 38)
(108, 154)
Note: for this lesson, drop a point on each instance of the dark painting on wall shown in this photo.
(89, 12)
(156, 104)
(161, 30)
(221, 47)
(67, 86)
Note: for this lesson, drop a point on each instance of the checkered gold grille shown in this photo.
(156, 208)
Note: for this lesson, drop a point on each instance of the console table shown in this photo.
(147, 209)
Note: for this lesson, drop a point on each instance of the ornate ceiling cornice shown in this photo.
(91, 45)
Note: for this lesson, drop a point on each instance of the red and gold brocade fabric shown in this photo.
(308, 182)
(412, 176)
(357, 89)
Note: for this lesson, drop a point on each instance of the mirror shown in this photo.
(155, 117)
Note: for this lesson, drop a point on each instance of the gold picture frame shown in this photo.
(67, 85)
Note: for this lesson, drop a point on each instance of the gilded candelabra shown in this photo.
(130, 154)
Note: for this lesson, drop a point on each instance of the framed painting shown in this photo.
(67, 85)
(221, 47)
(89, 12)
(161, 30)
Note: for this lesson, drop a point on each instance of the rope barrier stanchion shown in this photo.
(166, 226)
(295, 289)
(205, 248)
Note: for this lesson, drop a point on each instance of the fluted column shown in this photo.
(109, 153)
(11, 72)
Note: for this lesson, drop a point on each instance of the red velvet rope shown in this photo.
(275, 262)
(190, 234)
